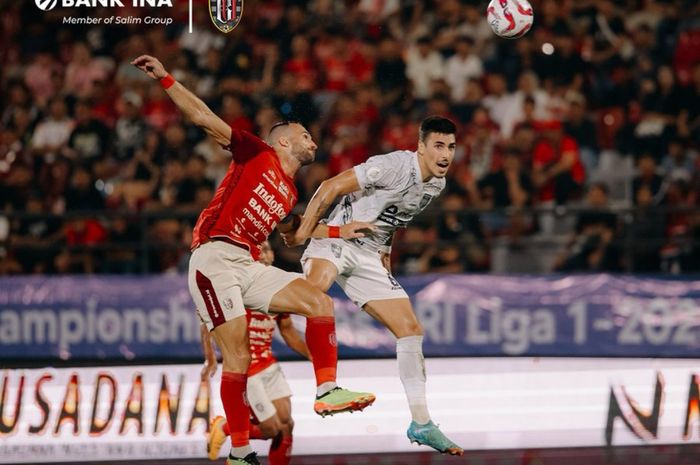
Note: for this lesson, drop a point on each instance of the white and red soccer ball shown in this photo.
(510, 18)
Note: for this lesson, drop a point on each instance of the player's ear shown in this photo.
(284, 141)
(421, 146)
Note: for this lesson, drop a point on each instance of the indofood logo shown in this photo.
(46, 5)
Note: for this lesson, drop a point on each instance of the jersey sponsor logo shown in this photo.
(226, 14)
(275, 206)
(336, 250)
(46, 5)
(389, 215)
(425, 201)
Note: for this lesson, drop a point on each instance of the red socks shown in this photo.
(320, 338)
(233, 396)
(280, 450)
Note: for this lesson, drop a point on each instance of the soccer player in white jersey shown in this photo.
(386, 191)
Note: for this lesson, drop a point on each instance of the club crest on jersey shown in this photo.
(226, 14)
(425, 201)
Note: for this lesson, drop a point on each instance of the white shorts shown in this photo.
(264, 387)
(224, 280)
(361, 274)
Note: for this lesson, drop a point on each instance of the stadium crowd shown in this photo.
(580, 131)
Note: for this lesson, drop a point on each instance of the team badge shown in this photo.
(226, 14)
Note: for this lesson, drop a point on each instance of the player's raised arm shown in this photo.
(341, 184)
(189, 104)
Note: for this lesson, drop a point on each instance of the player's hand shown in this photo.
(293, 239)
(289, 223)
(208, 369)
(356, 229)
(151, 66)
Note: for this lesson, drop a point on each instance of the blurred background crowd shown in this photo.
(577, 144)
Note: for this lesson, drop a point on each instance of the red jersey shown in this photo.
(253, 197)
(545, 154)
(261, 327)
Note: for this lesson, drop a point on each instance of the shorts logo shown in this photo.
(226, 14)
(228, 303)
(46, 5)
(337, 250)
(333, 340)
(394, 283)
(259, 407)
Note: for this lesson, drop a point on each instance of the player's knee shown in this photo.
(288, 426)
(415, 329)
(271, 428)
(235, 358)
(319, 304)
(410, 328)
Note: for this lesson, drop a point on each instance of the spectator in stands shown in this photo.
(52, 133)
(558, 173)
(461, 67)
(424, 66)
(593, 247)
(82, 72)
(580, 127)
(82, 195)
(679, 162)
(508, 187)
(90, 137)
(648, 177)
(646, 233)
(130, 128)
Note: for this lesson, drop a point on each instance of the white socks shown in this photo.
(323, 388)
(241, 452)
(409, 353)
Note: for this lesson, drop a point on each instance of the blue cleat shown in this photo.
(430, 435)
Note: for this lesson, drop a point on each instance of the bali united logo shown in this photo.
(226, 14)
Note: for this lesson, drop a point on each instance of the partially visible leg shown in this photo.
(281, 447)
(232, 339)
(398, 316)
(302, 298)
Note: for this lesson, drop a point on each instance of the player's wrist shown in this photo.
(167, 81)
(334, 232)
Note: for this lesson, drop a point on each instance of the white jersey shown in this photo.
(392, 194)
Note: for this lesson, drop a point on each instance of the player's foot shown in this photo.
(250, 459)
(341, 400)
(216, 437)
(430, 435)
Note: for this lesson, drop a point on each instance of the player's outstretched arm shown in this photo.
(340, 184)
(189, 104)
(292, 337)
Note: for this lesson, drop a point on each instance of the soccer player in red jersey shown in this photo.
(269, 394)
(224, 277)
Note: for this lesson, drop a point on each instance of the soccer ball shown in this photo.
(510, 18)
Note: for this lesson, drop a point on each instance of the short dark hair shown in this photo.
(279, 124)
(436, 124)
